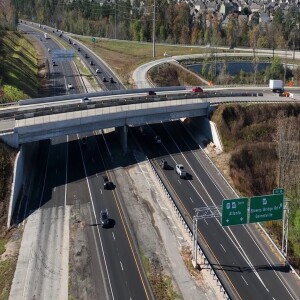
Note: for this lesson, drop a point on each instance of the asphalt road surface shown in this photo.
(63, 172)
(239, 253)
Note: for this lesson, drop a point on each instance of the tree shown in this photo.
(231, 30)
(195, 34)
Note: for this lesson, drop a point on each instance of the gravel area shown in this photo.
(159, 233)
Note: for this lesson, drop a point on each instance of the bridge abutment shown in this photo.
(11, 139)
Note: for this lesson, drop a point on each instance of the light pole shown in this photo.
(115, 19)
(153, 34)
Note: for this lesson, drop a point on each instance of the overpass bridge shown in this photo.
(40, 119)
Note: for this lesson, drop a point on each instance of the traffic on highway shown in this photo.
(76, 196)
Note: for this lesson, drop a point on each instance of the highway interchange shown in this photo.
(73, 174)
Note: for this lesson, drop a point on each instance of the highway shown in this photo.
(66, 179)
(239, 254)
(243, 260)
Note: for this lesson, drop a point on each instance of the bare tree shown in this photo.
(288, 148)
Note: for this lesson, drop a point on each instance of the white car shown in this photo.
(180, 171)
(98, 71)
(85, 100)
(70, 86)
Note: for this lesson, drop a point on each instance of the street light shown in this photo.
(153, 34)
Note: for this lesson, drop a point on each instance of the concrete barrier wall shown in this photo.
(203, 129)
(216, 138)
(17, 183)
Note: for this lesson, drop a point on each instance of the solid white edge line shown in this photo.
(92, 202)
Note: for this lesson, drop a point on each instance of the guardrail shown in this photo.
(64, 108)
(187, 226)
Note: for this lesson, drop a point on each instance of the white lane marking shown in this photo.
(223, 248)
(245, 280)
(54, 189)
(95, 216)
(66, 184)
(191, 199)
(216, 184)
(101, 191)
(236, 243)
(113, 236)
(179, 181)
(121, 266)
(205, 222)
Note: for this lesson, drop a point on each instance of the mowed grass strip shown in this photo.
(125, 56)
(19, 67)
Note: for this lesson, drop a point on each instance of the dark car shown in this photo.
(78, 49)
(104, 220)
(108, 185)
(91, 63)
(86, 56)
(83, 140)
(151, 93)
(104, 79)
(197, 89)
(111, 80)
(164, 164)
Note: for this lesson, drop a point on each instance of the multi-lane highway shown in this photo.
(65, 180)
(239, 254)
(71, 173)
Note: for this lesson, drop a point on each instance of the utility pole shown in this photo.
(153, 35)
(115, 19)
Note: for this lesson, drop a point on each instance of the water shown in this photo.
(233, 68)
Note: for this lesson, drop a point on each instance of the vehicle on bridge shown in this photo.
(197, 89)
(276, 86)
(70, 86)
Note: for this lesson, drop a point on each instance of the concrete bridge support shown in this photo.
(122, 133)
(11, 139)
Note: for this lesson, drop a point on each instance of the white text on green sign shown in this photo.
(234, 211)
(266, 208)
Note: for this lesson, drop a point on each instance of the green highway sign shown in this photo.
(94, 40)
(279, 191)
(266, 208)
(234, 211)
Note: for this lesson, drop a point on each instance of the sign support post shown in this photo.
(285, 227)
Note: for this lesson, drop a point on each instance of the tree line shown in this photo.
(174, 22)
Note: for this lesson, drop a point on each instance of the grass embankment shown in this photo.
(20, 78)
(124, 57)
(161, 284)
(19, 67)
(8, 263)
(252, 134)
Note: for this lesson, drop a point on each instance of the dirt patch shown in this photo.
(81, 284)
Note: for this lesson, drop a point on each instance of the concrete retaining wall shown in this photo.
(17, 183)
(203, 129)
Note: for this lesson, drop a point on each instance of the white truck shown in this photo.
(180, 171)
(276, 85)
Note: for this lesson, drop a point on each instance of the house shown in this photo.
(264, 18)
(255, 7)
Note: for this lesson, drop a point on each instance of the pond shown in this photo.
(234, 68)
